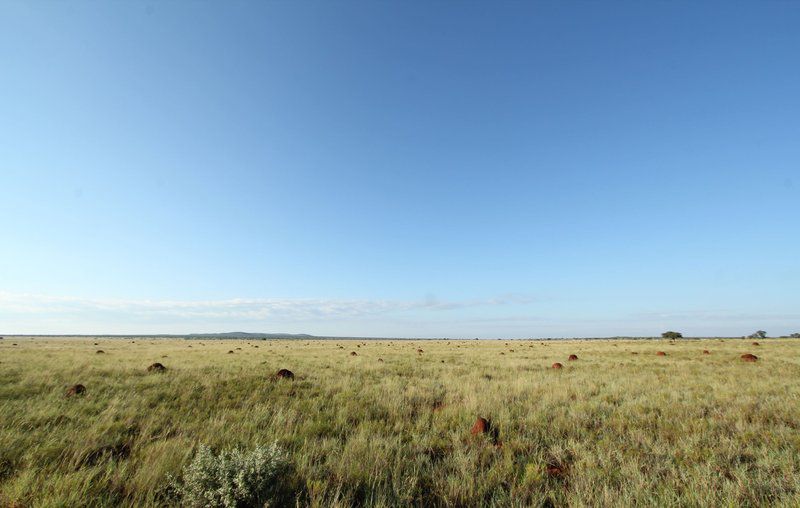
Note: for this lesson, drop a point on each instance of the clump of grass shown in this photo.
(231, 478)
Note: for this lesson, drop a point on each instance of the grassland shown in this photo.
(613, 428)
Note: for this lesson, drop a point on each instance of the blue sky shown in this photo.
(424, 169)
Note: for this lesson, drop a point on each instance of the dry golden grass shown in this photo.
(610, 429)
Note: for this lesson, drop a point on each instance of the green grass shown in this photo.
(611, 429)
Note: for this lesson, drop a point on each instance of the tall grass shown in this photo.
(611, 429)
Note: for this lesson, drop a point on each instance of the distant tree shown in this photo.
(760, 334)
(795, 335)
(672, 335)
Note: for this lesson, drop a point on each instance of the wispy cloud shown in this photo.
(251, 309)
(511, 315)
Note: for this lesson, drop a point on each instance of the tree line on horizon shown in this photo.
(758, 334)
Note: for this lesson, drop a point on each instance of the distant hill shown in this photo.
(247, 335)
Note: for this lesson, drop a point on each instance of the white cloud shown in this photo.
(503, 316)
(255, 309)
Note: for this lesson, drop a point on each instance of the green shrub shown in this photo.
(233, 478)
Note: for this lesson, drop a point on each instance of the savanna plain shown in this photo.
(390, 423)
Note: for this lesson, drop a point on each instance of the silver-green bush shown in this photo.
(232, 478)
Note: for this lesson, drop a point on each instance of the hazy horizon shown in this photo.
(78, 317)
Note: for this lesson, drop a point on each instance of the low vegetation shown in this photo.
(463, 423)
(231, 478)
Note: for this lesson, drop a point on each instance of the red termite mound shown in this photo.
(484, 427)
(284, 374)
(749, 358)
(557, 366)
(481, 426)
(75, 390)
(156, 367)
